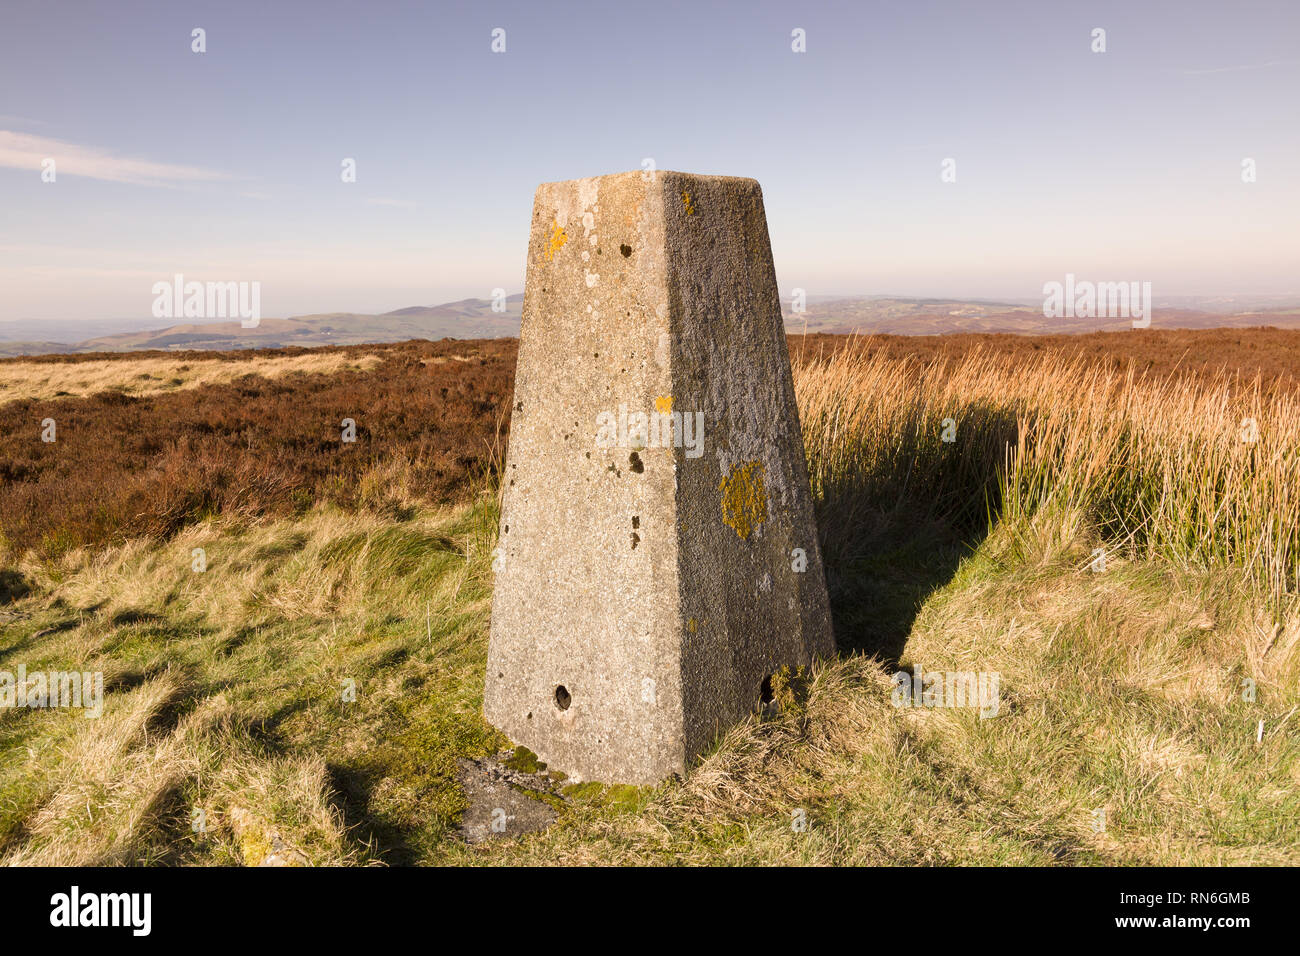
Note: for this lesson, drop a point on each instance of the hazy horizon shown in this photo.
(104, 325)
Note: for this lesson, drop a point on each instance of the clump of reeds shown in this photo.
(1202, 470)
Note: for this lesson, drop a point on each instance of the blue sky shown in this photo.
(225, 165)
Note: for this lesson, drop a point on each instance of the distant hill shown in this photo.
(14, 349)
(474, 319)
(466, 319)
(900, 316)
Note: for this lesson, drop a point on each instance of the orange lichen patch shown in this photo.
(686, 201)
(558, 238)
(744, 499)
(664, 407)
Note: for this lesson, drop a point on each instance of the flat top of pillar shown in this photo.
(694, 177)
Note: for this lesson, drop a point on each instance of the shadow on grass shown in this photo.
(876, 597)
(895, 533)
(13, 586)
(352, 790)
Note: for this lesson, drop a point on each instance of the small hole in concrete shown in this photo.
(530, 716)
(625, 249)
(634, 460)
(636, 521)
(765, 696)
(562, 697)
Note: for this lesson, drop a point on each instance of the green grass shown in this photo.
(262, 644)
(1119, 691)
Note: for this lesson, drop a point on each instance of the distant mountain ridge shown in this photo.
(903, 316)
(464, 319)
(475, 319)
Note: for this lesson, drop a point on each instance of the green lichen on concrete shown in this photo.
(620, 798)
(552, 800)
(524, 760)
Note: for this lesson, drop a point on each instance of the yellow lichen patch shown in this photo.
(254, 847)
(744, 499)
(664, 404)
(686, 201)
(558, 238)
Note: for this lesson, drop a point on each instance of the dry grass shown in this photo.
(153, 375)
(1204, 472)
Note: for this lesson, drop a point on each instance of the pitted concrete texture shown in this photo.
(658, 557)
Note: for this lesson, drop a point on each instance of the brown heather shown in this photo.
(125, 465)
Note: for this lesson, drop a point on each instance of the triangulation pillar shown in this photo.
(658, 557)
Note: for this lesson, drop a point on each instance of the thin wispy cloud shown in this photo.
(26, 151)
(1237, 69)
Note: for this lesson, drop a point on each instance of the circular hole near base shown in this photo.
(562, 697)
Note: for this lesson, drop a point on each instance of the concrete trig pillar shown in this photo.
(658, 556)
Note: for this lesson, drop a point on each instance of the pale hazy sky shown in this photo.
(225, 165)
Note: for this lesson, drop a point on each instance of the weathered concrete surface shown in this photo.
(647, 583)
(503, 802)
